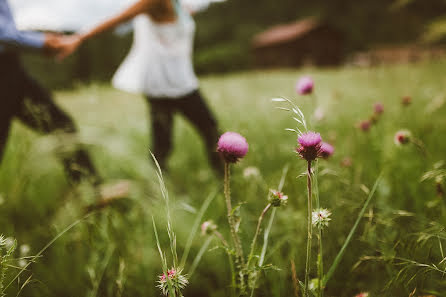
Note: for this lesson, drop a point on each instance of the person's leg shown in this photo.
(198, 113)
(5, 122)
(11, 95)
(161, 118)
(40, 112)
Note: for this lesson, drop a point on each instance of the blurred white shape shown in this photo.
(74, 15)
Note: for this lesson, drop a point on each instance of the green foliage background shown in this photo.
(225, 30)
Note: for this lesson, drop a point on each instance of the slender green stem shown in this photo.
(310, 231)
(231, 262)
(320, 269)
(236, 240)
(254, 240)
(320, 262)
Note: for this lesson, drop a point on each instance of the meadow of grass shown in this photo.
(397, 248)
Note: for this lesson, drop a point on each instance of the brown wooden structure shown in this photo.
(308, 41)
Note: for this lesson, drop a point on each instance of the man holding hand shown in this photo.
(17, 87)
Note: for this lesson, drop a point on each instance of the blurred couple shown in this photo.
(159, 66)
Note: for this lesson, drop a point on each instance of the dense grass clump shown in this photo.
(397, 248)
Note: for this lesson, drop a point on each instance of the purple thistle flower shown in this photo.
(305, 85)
(326, 150)
(378, 108)
(310, 144)
(232, 146)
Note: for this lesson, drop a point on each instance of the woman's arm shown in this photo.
(71, 43)
(139, 7)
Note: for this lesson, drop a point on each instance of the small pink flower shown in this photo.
(365, 125)
(378, 108)
(277, 198)
(362, 294)
(402, 137)
(406, 100)
(310, 144)
(326, 150)
(232, 146)
(305, 85)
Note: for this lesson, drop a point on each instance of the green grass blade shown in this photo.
(350, 235)
(196, 226)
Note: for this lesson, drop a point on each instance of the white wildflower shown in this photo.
(321, 217)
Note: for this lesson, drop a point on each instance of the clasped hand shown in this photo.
(61, 46)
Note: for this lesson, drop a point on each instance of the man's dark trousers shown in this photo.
(23, 98)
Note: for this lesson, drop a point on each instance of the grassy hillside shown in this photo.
(113, 253)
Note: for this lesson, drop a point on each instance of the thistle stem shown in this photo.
(254, 240)
(310, 230)
(236, 240)
(321, 266)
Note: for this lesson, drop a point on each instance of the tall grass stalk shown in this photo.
(196, 226)
(235, 238)
(254, 240)
(320, 262)
(268, 229)
(309, 230)
(200, 254)
(340, 254)
(50, 243)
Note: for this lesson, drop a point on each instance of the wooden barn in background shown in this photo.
(308, 41)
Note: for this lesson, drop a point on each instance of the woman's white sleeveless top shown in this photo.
(159, 63)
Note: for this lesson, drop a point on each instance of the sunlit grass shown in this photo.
(37, 202)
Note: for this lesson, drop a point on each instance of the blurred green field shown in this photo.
(113, 253)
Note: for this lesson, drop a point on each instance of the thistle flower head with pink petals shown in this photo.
(176, 279)
(378, 107)
(232, 146)
(326, 150)
(305, 85)
(277, 198)
(310, 145)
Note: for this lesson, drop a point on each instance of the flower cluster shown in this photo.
(232, 147)
(321, 217)
(311, 146)
(365, 125)
(277, 198)
(176, 279)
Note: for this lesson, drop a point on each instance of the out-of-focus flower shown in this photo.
(321, 217)
(178, 281)
(365, 125)
(310, 144)
(378, 108)
(208, 227)
(406, 100)
(347, 162)
(277, 198)
(251, 172)
(402, 137)
(305, 85)
(24, 250)
(232, 146)
(362, 294)
(326, 150)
